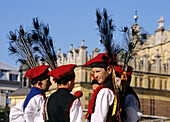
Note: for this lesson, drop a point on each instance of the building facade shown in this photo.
(9, 82)
(151, 76)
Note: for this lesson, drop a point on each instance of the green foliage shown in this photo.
(4, 113)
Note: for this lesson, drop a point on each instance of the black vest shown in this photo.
(59, 104)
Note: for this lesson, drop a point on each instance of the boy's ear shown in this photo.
(69, 82)
(39, 83)
(109, 69)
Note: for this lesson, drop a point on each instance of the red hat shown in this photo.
(127, 75)
(101, 58)
(62, 71)
(118, 69)
(78, 94)
(36, 71)
(129, 71)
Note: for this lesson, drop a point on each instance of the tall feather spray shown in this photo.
(132, 37)
(106, 29)
(44, 43)
(27, 45)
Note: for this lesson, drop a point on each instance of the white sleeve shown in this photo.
(16, 113)
(76, 112)
(40, 116)
(132, 109)
(104, 99)
(33, 108)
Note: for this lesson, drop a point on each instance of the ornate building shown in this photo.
(151, 76)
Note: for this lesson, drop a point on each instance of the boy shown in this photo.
(131, 109)
(101, 105)
(28, 109)
(62, 106)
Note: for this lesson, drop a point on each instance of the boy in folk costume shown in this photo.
(28, 109)
(62, 106)
(131, 109)
(103, 105)
(129, 101)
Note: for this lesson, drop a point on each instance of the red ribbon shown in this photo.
(92, 101)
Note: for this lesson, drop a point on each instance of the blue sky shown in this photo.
(72, 21)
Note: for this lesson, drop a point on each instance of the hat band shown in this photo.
(65, 79)
(99, 64)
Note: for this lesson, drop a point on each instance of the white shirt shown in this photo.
(33, 108)
(76, 112)
(132, 113)
(16, 113)
(104, 99)
(31, 111)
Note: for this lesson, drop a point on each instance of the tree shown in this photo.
(26, 46)
(4, 114)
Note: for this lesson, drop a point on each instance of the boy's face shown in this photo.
(118, 81)
(46, 83)
(101, 74)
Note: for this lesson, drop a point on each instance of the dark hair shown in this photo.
(129, 78)
(40, 78)
(117, 74)
(94, 81)
(100, 65)
(65, 79)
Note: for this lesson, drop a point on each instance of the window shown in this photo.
(25, 81)
(13, 77)
(149, 84)
(165, 84)
(160, 84)
(136, 81)
(141, 82)
(149, 66)
(141, 65)
(152, 107)
(153, 83)
(165, 68)
(86, 75)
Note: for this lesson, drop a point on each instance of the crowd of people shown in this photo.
(113, 99)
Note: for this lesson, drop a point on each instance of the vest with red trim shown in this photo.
(59, 105)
